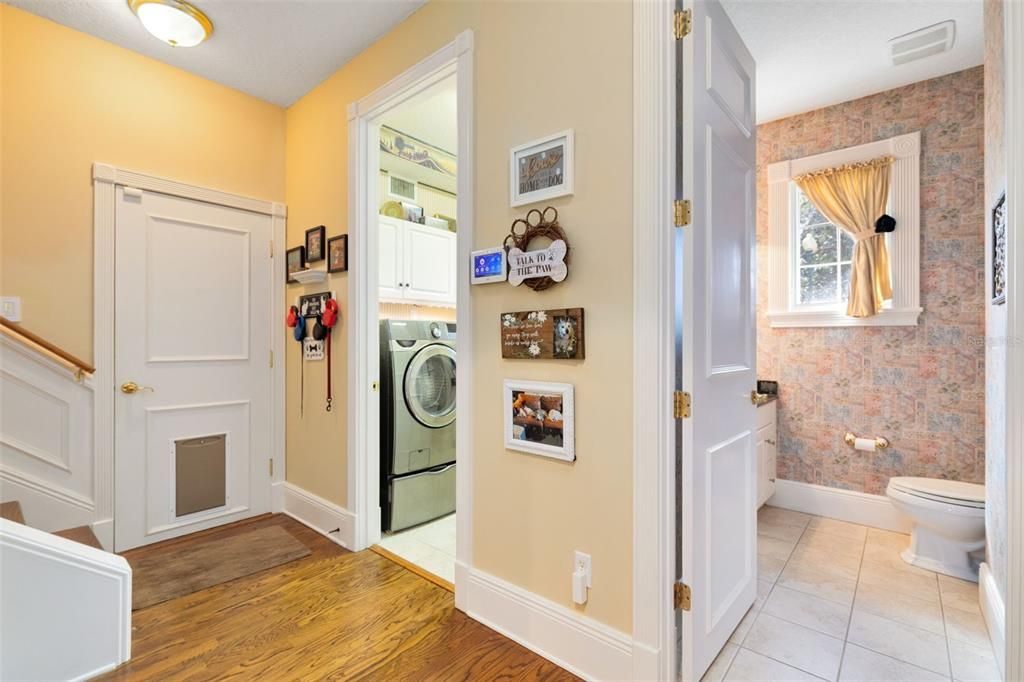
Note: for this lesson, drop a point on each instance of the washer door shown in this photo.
(430, 386)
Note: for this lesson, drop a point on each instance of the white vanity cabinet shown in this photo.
(417, 263)
(767, 451)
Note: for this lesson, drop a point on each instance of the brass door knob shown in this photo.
(758, 398)
(132, 387)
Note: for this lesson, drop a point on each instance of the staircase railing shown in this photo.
(75, 364)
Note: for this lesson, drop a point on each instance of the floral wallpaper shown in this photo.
(921, 387)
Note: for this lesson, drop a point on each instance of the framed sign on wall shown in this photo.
(542, 169)
(543, 334)
(540, 419)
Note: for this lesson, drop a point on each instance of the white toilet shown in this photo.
(949, 523)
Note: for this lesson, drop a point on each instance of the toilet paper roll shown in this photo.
(864, 444)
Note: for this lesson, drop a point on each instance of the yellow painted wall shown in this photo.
(70, 99)
(540, 68)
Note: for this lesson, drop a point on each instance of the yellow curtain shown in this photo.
(853, 197)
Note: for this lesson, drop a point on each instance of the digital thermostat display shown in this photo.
(489, 266)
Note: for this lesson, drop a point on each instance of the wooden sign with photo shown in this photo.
(543, 335)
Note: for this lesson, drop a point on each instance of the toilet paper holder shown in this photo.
(880, 443)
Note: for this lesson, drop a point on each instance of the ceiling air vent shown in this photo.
(925, 42)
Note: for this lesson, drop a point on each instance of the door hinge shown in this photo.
(681, 209)
(271, 467)
(271, 360)
(681, 405)
(681, 596)
(682, 23)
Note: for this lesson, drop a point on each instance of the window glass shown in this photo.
(823, 253)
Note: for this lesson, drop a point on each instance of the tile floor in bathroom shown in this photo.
(836, 602)
(430, 546)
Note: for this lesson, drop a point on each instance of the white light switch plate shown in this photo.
(10, 307)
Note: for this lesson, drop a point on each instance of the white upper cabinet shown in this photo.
(417, 263)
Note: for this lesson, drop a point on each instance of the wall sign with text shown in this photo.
(543, 335)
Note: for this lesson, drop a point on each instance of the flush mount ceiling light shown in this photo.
(175, 22)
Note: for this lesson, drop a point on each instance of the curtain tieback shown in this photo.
(862, 236)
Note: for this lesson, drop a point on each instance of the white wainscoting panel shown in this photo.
(46, 440)
(326, 518)
(876, 511)
(579, 644)
(993, 609)
(67, 607)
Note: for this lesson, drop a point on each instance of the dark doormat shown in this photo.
(176, 573)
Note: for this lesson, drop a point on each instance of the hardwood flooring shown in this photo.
(332, 615)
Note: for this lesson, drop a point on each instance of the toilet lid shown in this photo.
(967, 494)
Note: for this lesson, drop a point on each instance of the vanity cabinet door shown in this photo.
(389, 252)
(763, 436)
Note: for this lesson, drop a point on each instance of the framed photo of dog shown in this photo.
(543, 335)
(540, 419)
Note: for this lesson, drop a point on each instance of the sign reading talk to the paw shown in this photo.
(543, 334)
(549, 262)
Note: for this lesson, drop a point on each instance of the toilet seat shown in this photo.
(955, 493)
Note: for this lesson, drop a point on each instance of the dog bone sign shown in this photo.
(549, 262)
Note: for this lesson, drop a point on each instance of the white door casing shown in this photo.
(718, 476)
(192, 327)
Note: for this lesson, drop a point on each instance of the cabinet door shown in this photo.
(763, 434)
(771, 458)
(429, 265)
(389, 253)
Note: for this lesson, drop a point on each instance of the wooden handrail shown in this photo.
(36, 340)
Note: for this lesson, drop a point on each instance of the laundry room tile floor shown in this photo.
(835, 601)
(431, 546)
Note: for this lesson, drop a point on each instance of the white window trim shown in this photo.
(904, 243)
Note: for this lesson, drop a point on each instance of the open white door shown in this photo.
(716, 338)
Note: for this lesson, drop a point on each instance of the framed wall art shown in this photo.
(540, 419)
(999, 252)
(543, 335)
(542, 169)
(337, 254)
(315, 243)
(295, 260)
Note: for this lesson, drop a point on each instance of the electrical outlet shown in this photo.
(10, 307)
(582, 562)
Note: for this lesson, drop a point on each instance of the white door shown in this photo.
(389, 253)
(429, 264)
(718, 472)
(192, 334)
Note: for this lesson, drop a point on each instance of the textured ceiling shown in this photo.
(816, 53)
(276, 50)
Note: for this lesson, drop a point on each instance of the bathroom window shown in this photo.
(810, 258)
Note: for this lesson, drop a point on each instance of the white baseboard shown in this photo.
(581, 645)
(876, 511)
(326, 518)
(995, 614)
(104, 532)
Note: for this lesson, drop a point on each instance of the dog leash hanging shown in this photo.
(297, 322)
(328, 320)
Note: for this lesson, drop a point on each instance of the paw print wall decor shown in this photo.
(541, 269)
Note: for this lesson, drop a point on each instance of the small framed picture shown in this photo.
(337, 254)
(542, 169)
(315, 243)
(539, 419)
(295, 260)
(999, 252)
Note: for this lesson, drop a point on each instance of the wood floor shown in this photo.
(332, 615)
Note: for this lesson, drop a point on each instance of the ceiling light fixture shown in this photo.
(175, 22)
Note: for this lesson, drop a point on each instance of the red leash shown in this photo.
(329, 319)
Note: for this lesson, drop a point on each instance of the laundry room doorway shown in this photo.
(410, 347)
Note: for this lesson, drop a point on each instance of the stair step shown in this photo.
(12, 511)
(82, 534)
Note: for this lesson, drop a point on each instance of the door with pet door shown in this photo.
(192, 339)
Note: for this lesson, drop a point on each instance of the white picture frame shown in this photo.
(520, 194)
(524, 432)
